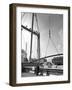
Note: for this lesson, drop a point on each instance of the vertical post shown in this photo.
(26, 47)
(49, 33)
(38, 46)
(31, 35)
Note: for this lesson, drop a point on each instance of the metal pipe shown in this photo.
(51, 56)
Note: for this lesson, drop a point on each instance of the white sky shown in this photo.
(54, 22)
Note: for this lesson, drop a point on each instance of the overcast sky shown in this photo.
(46, 22)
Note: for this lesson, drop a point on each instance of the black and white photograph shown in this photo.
(41, 44)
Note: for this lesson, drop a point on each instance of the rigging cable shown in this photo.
(46, 47)
(36, 17)
(37, 22)
(52, 44)
(50, 38)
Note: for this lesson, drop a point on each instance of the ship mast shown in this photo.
(31, 36)
(38, 40)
